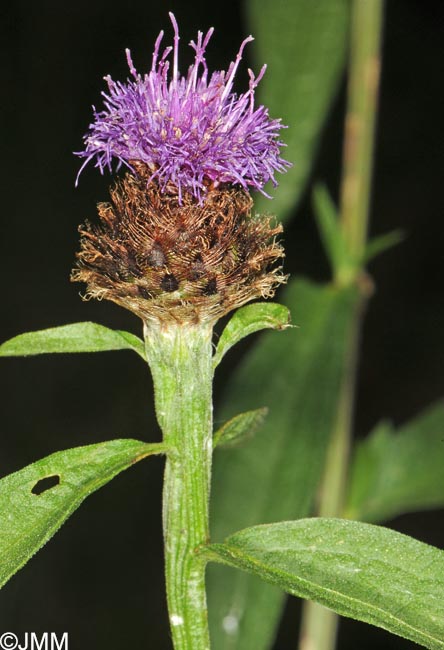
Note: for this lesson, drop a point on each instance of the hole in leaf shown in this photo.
(45, 484)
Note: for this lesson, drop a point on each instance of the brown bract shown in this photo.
(178, 261)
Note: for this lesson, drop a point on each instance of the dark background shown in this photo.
(101, 578)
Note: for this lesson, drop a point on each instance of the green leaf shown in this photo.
(343, 265)
(250, 319)
(296, 374)
(78, 337)
(383, 243)
(365, 572)
(394, 472)
(330, 230)
(35, 501)
(239, 428)
(304, 45)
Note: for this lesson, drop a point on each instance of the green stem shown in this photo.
(360, 121)
(180, 358)
(319, 625)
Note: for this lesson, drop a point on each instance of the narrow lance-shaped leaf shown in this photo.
(398, 471)
(344, 265)
(382, 243)
(304, 45)
(366, 572)
(248, 320)
(240, 428)
(35, 501)
(330, 231)
(77, 337)
(296, 375)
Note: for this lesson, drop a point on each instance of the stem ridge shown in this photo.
(180, 358)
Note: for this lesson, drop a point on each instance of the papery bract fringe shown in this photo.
(192, 130)
(183, 262)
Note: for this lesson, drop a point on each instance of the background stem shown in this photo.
(360, 120)
(180, 358)
(319, 625)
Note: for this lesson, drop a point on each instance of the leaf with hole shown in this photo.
(35, 501)
(77, 337)
(365, 572)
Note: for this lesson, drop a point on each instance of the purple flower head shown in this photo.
(190, 130)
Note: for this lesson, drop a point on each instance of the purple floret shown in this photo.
(190, 131)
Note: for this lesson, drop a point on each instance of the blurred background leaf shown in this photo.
(399, 470)
(296, 374)
(304, 45)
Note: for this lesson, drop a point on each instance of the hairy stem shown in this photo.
(181, 365)
(319, 625)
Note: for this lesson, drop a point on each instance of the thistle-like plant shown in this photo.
(179, 244)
